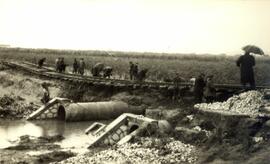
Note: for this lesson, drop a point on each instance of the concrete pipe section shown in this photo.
(95, 111)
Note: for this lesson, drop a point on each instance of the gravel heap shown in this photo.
(146, 150)
(247, 103)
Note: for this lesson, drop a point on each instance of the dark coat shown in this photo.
(246, 63)
(97, 69)
(199, 86)
(107, 72)
(131, 68)
(75, 65)
(209, 89)
(142, 74)
(81, 67)
(198, 89)
(41, 62)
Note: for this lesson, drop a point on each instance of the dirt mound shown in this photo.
(31, 149)
(28, 88)
(235, 138)
(141, 97)
(20, 94)
(127, 97)
(14, 107)
(53, 156)
(27, 142)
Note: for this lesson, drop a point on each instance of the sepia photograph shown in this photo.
(134, 81)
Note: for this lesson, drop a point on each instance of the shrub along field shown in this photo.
(161, 66)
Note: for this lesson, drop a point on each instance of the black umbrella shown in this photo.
(253, 49)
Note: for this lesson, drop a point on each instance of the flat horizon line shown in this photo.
(123, 51)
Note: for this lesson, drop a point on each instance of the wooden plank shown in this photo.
(30, 67)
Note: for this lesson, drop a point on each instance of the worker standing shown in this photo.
(81, 66)
(41, 62)
(199, 88)
(131, 69)
(135, 71)
(62, 65)
(57, 64)
(176, 91)
(210, 91)
(75, 66)
(46, 93)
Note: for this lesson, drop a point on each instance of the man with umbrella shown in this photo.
(246, 63)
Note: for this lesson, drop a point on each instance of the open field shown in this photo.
(196, 136)
(161, 66)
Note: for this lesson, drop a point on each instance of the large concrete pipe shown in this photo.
(95, 111)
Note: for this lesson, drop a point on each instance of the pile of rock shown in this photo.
(146, 150)
(247, 103)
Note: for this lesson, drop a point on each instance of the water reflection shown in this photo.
(11, 130)
(50, 127)
(73, 132)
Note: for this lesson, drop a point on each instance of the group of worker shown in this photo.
(78, 67)
(203, 86)
(135, 73)
(60, 65)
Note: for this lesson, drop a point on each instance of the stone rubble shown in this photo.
(146, 150)
(207, 132)
(247, 103)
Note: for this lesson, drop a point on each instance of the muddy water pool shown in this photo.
(73, 132)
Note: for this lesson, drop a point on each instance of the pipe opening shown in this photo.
(133, 128)
(61, 113)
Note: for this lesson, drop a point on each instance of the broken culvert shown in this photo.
(86, 111)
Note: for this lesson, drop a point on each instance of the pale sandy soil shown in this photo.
(25, 86)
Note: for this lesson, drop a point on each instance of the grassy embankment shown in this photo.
(160, 65)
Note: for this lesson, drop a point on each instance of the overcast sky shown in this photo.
(183, 26)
